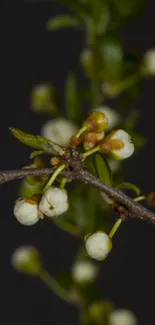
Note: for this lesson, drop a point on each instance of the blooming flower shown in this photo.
(26, 211)
(54, 202)
(26, 259)
(98, 245)
(122, 317)
(113, 117)
(84, 271)
(59, 130)
(118, 144)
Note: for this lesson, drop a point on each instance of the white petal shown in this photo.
(98, 245)
(122, 317)
(149, 61)
(59, 131)
(56, 198)
(128, 149)
(84, 271)
(26, 213)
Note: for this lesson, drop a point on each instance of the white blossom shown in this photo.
(54, 202)
(26, 212)
(26, 259)
(84, 271)
(59, 130)
(128, 147)
(122, 317)
(98, 245)
(148, 65)
(112, 116)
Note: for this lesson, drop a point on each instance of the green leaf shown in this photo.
(100, 14)
(71, 97)
(64, 21)
(102, 168)
(37, 142)
(36, 153)
(129, 186)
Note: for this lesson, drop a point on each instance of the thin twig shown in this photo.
(133, 209)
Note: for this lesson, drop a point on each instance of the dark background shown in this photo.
(30, 55)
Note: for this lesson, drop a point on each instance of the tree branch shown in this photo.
(132, 209)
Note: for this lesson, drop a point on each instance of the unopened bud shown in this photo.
(84, 272)
(54, 202)
(90, 139)
(26, 259)
(148, 63)
(96, 122)
(26, 211)
(99, 312)
(98, 245)
(151, 198)
(112, 115)
(122, 317)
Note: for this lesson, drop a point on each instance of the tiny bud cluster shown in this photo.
(98, 245)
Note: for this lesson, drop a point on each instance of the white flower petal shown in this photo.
(84, 271)
(122, 317)
(59, 130)
(26, 213)
(128, 148)
(54, 202)
(149, 61)
(98, 245)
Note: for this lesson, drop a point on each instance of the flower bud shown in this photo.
(151, 198)
(54, 202)
(26, 259)
(118, 144)
(90, 139)
(98, 245)
(26, 211)
(148, 63)
(122, 317)
(43, 97)
(96, 122)
(59, 131)
(84, 272)
(113, 117)
(99, 311)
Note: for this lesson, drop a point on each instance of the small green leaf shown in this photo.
(129, 186)
(102, 168)
(37, 142)
(36, 153)
(64, 21)
(71, 97)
